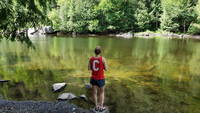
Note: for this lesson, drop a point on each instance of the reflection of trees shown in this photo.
(170, 64)
(134, 98)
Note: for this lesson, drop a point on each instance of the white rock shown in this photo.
(83, 97)
(58, 86)
(125, 35)
(47, 29)
(30, 31)
(73, 109)
(67, 96)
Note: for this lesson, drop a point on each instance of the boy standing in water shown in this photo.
(97, 65)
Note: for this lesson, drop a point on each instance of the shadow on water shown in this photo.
(13, 58)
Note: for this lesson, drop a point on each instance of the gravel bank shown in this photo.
(39, 107)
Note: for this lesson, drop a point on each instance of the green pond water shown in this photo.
(155, 75)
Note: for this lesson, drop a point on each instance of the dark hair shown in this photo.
(97, 50)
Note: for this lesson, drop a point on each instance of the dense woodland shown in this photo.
(100, 16)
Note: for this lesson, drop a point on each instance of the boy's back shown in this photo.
(97, 67)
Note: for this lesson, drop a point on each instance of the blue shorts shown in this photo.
(99, 83)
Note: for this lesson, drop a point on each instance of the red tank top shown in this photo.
(97, 68)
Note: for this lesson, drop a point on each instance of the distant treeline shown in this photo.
(99, 16)
(179, 16)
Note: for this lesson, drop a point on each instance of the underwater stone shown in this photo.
(4, 80)
(58, 86)
(83, 97)
(66, 96)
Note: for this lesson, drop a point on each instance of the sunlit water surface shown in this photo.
(155, 75)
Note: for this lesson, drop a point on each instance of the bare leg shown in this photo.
(101, 96)
(94, 94)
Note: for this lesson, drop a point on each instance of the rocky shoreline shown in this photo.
(48, 30)
(60, 106)
(168, 35)
(39, 107)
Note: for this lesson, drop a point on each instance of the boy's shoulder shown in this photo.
(90, 57)
(93, 57)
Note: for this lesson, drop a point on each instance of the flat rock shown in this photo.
(66, 96)
(58, 86)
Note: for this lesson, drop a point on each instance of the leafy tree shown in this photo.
(124, 15)
(118, 14)
(84, 16)
(148, 14)
(177, 15)
(18, 15)
(74, 15)
(195, 26)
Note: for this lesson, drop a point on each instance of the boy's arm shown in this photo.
(105, 64)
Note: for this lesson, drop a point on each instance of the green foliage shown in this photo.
(177, 15)
(123, 15)
(194, 29)
(74, 15)
(94, 16)
(94, 26)
(16, 16)
(118, 14)
(53, 15)
(148, 14)
(195, 26)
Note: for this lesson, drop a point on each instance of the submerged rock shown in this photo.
(58, 86)
(66, 96)
(83, 97)
(4, 81)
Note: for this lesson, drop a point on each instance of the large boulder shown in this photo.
(48, 30)
(66, 96)
(31, 31)
(58, 86)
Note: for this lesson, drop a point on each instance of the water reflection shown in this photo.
(145, 75)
